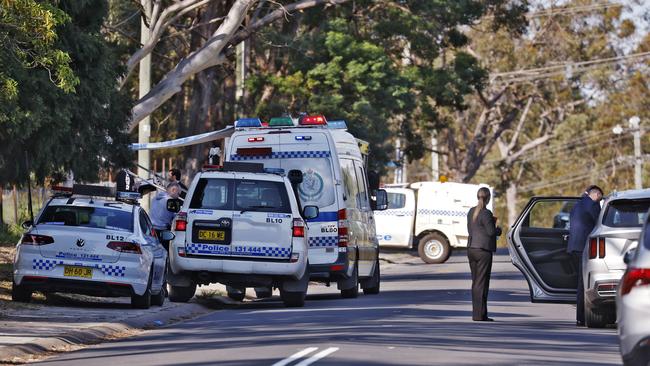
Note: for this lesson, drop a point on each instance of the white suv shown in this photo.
(241, 226)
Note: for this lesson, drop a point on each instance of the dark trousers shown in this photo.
(480, 263)
(576, 259)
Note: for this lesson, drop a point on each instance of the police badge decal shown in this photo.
(311, 188)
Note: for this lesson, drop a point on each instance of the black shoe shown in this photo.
(483, 320)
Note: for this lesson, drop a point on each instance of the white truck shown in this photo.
(429, 215)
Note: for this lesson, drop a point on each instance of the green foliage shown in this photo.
(28, 36)
(58, 130)
(387, 67)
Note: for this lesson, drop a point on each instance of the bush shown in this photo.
(10, 234)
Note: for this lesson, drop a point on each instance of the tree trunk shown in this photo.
(511, 202)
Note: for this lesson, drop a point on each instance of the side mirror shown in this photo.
(174, 205)
(629, 255)
(295, 176)
(310, 212)
(381, 200)
(167, 235)
(27, 224)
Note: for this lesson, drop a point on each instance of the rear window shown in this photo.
(96, 217)
(626, 213)
(248, 195)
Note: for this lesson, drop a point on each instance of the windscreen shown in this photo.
(241, 195)
(317, 187)
(626, 213)
(96, 217)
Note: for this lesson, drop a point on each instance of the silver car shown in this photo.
(616, 232)
(633, 303)
(537, 243)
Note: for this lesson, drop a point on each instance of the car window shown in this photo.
(145, 224)
(260, 195)
(547, 215)
(212, 193)
(396, 200)
(626, 213)
(317, 187)
(362, 194)
(350, 184)
(97, 217)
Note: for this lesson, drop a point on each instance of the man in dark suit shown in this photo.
(582, 221)
(482, 243)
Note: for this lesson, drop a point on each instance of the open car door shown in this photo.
(537, 243)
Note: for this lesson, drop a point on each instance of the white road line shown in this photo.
(318, 356)
(295, 356)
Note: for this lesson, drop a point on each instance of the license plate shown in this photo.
(212, 235)
(72, 271)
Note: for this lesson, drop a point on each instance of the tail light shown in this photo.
(298, 228)
(124, 247)
(256, 139)
(634, 277)
(294, 257)
(596, 248)
(180, 222)
(33, 239)
(343, 228)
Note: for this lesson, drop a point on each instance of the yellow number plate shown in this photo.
(212, 235)
(71, 271)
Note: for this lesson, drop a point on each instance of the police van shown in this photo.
(343, 246)
(242, 226)
(429, 215)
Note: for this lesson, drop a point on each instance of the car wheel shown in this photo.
(352, 292)
(595, 318)
(235, 293)
(434, 248)
(142, 301)
(263, 292)
(293, 299)
(181, 293)
(374, 281)
(159, 298)
(20, 293)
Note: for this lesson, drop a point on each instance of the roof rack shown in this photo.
(243, 168)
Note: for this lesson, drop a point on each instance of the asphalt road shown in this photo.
(421, 317)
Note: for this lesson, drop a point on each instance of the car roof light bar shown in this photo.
(248, 122)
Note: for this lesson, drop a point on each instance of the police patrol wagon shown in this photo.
(80, 243)
(431, 215)
(343, 247)
(242, 226)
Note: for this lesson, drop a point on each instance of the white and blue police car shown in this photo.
(242, 226)
(81, 242)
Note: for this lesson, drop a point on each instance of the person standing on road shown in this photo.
(582, 221)
(482, 243)
(175, 177)
(161, 218)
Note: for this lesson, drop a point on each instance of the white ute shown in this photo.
(242, 227)
(431, 215)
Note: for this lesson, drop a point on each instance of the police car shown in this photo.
(82, 243)
(241, 226)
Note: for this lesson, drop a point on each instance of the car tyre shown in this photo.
(434, 248)
(142, 301)
(235, 293)
(374, 282)
(594, 318)
(263, 292)
(293, 299)
(159, 298)
(352, 292)
(20, 293)
(181, 293)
